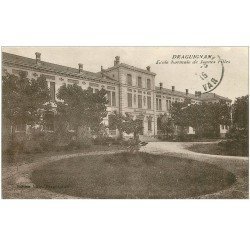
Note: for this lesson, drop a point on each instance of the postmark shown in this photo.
(210, 73)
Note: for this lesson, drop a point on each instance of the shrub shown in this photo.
(105, 140)
(31, 147)
(74, 145)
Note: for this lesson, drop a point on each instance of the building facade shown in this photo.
(129, 89)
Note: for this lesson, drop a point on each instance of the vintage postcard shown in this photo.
(125, 122)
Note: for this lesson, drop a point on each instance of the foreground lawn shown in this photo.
(125, 175)
(29, 158)
(216, 149)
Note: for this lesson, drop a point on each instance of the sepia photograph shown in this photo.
(125, 123)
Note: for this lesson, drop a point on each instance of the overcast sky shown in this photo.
(182, 76)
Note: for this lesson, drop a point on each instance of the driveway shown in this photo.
(235, 164)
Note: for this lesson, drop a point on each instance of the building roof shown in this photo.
(204, 96)
(25, 62)
(177, 93)
(213, 96)
(130, 67)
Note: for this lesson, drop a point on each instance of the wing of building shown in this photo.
(130, 89)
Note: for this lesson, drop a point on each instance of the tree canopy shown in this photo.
(205, 117)
(81, 107)
(23, 99)
(125, 123)
(240, 112)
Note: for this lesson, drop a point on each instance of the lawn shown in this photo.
(29, 158)
(216, 149)
(126, 175)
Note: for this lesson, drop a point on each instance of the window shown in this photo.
(129, 79)
(158, 104)
(148, 84)
(49, 77)
(158, 123)
(109, 98)
(149, 102)
(113, 99)
(160, 107)
(73, 81)
(139, 101)
(52, 91)
(130, 100)
(144, 100)
(135, 99)
(168, 104)
(149, 124)
(139, 82)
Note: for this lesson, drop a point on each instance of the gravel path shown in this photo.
(235, 164)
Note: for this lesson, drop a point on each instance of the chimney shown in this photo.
(173, 88)
(199, 94)
(195, 93)
(186, 91)
(148, 68)
(101, 68)
(160, 85)
(38, 57)
(117, 60)
(80, 67)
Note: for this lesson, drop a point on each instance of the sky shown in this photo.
(234, 82)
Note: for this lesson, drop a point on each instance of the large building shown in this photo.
(130, 89)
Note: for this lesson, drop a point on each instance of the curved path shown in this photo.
(235, 164)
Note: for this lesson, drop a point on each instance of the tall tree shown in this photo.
(166, 124)
(205, 118)
(125, 123)
(81, 107)
(24, 99)
(240, 112)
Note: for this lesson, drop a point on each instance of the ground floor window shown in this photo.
(129, 99)
(149, 124)
(52, 91)
(141, 128)
(158, 123)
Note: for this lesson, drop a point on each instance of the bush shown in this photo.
(165, 137)
(105, 140)
(180, 138)
(74, 145)
(32, 147)
(236, 142)
(14, 147)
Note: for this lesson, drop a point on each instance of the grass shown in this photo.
(125, 175)
(29, 158)
(216, 149)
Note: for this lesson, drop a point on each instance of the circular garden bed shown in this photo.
(126, 175)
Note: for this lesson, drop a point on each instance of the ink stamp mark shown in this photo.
(210, 74)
